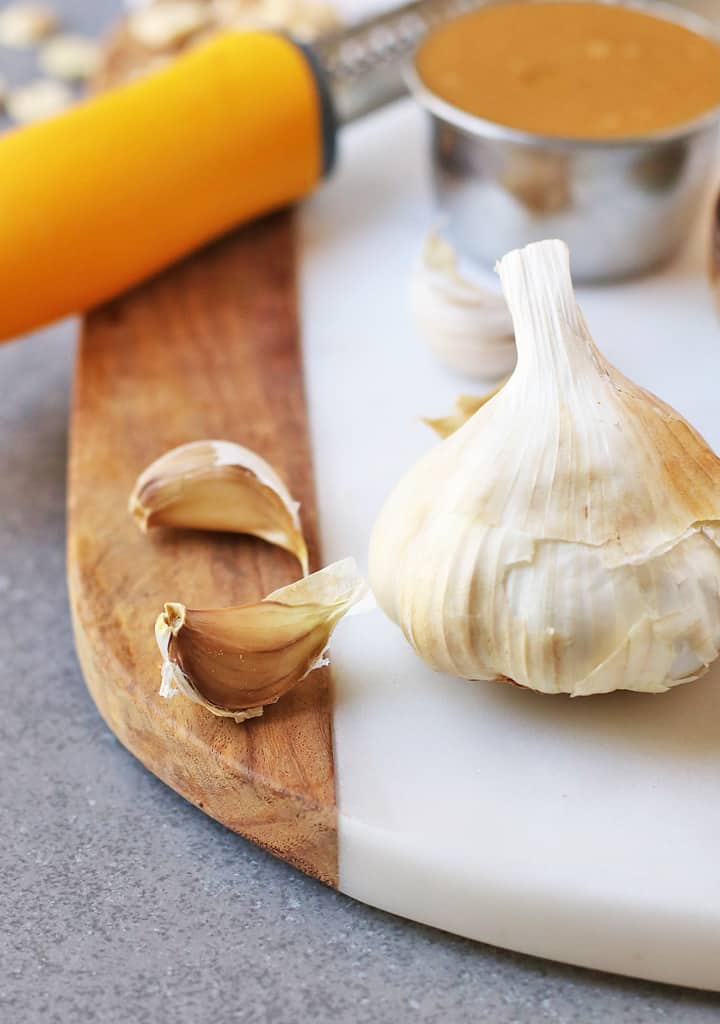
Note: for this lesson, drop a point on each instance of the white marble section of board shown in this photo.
(583, 830)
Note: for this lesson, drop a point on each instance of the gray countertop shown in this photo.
(121, 903)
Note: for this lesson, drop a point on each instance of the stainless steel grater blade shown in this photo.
(363, 64)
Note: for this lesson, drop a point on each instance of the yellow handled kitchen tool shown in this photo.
(95, 199)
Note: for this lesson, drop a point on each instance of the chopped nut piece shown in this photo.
(227, 12)
(23, 24)
(163, 26)
(42, 97)
(72, 57)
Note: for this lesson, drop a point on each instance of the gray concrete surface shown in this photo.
(121, 904)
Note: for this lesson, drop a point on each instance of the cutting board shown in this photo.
(207, 350)
(582, 830)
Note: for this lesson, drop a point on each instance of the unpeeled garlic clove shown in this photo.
(465, 407)
(235, 661)
(219, 485)
(468, 327)
(567, 536)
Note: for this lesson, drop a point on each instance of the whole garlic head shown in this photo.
(468, 327)
(567, 537)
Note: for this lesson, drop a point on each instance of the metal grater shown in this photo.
(364, 64)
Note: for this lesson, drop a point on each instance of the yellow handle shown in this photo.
(97, 198)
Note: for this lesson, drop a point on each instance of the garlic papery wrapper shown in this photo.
(235, 661)
(566, 537)
(467, 327)
(465, 407)
(219, 485)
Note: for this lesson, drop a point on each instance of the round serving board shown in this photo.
(583, 830)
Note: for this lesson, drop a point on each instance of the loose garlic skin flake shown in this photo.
(567, 537)
(235, 661)
(465, 407)
(219, 485)
(467, 327)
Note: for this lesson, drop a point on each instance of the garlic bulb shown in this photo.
(467, 327)
(567, 537)
(234, 661)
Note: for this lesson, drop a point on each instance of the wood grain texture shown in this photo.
(207, 350)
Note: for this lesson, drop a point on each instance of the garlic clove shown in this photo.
(467, 327)
(166, 25)
(219, 485)
(71, 57)
(235, 661)
(567, 537)
(465, 408)
(24, 24)
(39, 98)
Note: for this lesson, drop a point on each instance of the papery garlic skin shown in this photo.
(465, 407)
(235, 661)
(219, 485)
(466, 326)
(567, 537)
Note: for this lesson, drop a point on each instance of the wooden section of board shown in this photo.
(209, 349)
